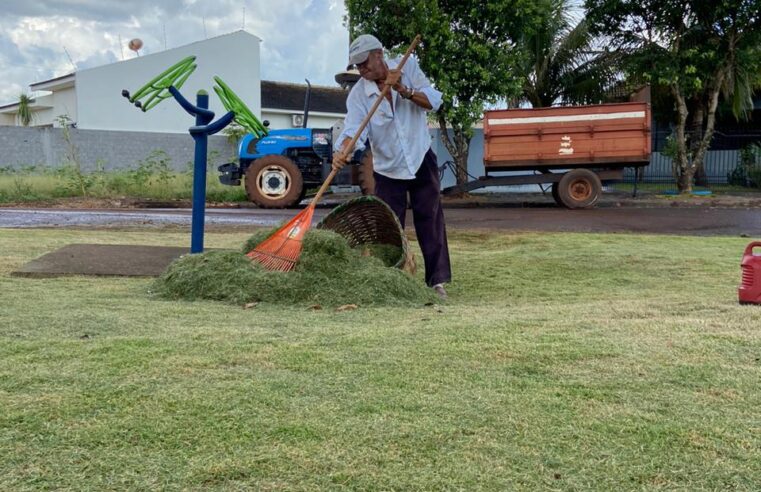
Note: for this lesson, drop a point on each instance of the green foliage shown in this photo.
(693, 45)
(72, 167)
(748, 169)
(75, 182)
(469, 50)
(328, 273)
(24, 112)
(152, 179)
(695, 49)
(156, 168)
(564, 62)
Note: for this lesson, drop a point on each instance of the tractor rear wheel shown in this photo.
(366, 178)
(580, 188)
(274, 181)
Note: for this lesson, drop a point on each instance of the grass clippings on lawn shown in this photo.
(328, 273)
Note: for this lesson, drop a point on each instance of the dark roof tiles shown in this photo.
(289, 96)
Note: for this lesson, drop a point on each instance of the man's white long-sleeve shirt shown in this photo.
(399, 137)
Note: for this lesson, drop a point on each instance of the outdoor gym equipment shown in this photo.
(167, 84)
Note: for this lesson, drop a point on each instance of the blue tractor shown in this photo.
(278, 168)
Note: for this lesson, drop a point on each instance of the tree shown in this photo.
(698, 50)
(469, 50)
(563, 65)
(24, 112)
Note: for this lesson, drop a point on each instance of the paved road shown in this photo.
(700, 221)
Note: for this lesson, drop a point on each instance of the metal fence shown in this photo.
(732, 163)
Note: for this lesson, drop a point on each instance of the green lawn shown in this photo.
(561, 361)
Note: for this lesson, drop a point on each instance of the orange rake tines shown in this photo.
(281, 251)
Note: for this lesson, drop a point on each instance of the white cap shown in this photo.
(361, 47)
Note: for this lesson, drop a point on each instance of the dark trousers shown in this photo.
(427, 213)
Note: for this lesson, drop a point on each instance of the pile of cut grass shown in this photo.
(329, 273)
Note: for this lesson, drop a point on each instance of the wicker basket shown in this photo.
(368, 220)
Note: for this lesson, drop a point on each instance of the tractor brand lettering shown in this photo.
(565, 145)
(289, 137)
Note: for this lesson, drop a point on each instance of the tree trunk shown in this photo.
(690, 160)
(713, 102)
(458, 148)
(683, 169)
(695, 136)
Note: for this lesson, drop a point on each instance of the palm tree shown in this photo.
(24, 112)
(563, 65)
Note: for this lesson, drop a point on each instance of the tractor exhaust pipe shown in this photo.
(306, 103)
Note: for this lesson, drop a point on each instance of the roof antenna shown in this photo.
(205, 36)
(244, 17)
(70, 60)
(164, 25)
(121, 46)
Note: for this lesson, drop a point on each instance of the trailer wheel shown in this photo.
(579, 188)
(274, 181)
(366, 178)
(556, 194)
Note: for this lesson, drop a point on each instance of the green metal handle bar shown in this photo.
(157, 88)
(243, 116)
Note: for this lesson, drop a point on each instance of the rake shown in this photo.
(281, 250)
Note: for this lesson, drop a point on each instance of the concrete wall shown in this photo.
(233, 57)
(47, 148)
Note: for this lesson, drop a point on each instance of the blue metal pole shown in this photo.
(199, 177)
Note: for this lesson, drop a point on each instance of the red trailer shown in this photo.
(574, 148)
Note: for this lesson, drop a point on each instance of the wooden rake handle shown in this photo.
(347, 151)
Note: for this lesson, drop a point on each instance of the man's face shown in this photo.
(373, 68)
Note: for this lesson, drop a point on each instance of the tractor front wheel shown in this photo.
(274, 181)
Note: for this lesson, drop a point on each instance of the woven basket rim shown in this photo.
(374, 201)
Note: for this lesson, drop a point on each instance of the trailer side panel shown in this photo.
(603, 135)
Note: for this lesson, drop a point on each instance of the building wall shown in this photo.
(283, 119)
(233, 57)
(64, 102)
(47, 148)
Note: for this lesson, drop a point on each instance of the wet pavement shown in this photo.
(703, 221)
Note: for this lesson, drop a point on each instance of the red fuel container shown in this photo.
(750, 289)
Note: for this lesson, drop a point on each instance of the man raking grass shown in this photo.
(404, 161)
(281, 251)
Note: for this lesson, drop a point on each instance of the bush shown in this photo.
(748, 170)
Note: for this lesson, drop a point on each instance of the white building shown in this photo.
(92, 97)
(283, 105)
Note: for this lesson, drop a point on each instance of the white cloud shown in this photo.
(300, 38)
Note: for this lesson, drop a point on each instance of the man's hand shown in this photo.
(339, 160)
(393, 78)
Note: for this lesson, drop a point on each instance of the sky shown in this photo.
(42, 39)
